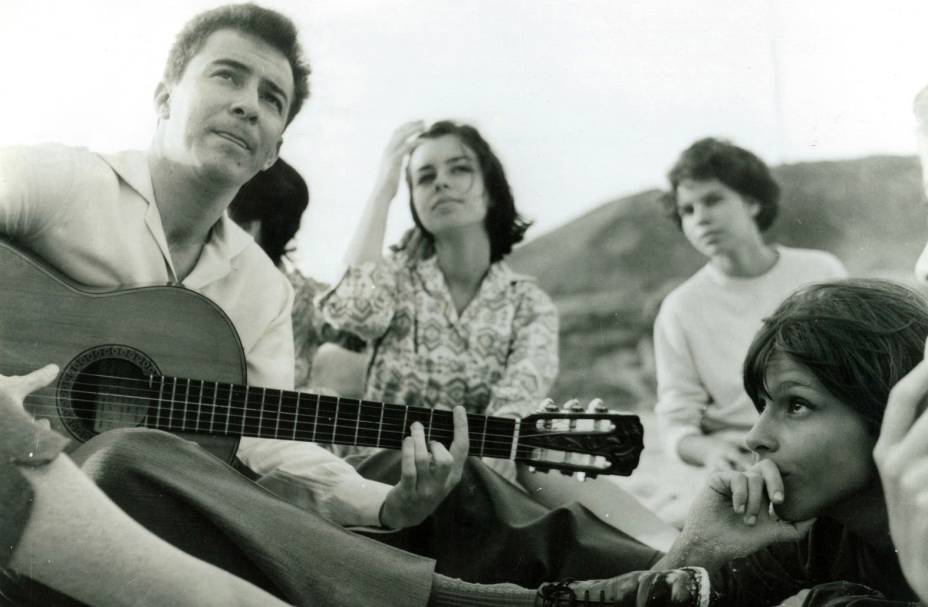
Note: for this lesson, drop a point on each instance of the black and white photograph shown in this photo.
(541, 303)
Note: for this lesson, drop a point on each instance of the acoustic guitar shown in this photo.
(169, 358)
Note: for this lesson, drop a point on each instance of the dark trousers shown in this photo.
(489, 531)
(207, 509)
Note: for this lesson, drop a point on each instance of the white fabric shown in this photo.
(94, 218)
(702, 334)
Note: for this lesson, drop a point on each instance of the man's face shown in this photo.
(227, 113)
(819, 444)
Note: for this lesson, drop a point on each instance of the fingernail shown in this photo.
(739, 508)
(778, 496)
(750, 520)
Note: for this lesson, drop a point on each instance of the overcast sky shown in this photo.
(583, 100)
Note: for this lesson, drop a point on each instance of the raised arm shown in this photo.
(367, 243)
(901, 455)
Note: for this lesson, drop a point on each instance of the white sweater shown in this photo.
(702, 333)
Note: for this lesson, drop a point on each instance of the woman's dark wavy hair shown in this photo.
(504, 225)
(277, 198)
(736, 167)
(264, 24)
(858, 337)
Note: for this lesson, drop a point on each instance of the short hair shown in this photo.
(269, 26)
(277, 198)
(858, 337)
(503, 223)
(736, 167)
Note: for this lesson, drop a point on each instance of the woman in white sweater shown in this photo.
(723, 198)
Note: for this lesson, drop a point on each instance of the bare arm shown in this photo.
(901, 455)
(367, 243)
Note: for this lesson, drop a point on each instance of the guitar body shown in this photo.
(134, 333)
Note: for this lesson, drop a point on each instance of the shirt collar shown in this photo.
(226, 240)
(499, 277)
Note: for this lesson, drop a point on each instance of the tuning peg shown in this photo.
(547, 406)
(532, 469)
(596, 406)
(580, 476)
(573, 406)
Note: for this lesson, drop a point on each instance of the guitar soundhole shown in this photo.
(105, 388)
(109, 394)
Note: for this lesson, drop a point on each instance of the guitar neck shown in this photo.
(204, 407)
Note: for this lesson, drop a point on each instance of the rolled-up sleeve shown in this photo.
(364, 300)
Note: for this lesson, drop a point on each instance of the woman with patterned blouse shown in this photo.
(446, 320)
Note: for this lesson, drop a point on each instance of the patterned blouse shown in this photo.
(499, 357)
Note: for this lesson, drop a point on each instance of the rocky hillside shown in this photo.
(609, 269)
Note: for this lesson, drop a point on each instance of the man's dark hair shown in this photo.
(503, 224)
(734, 166)
(858, 337)
(277, 198)
(266, 25)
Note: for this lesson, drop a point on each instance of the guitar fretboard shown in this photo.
(203, 407)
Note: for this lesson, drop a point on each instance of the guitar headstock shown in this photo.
(587, 443)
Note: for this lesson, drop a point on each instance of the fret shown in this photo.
(261, 411)
(187, 398)
(338, 403)
(207, 398)
(244, 409)
(483, 435)
(393, 429)
(370, 430)
(315, 418)
(212, 415)
(171, 409)
(244, 399)
(296, 415)
(326, 407)
(342, 434)
(416, 414)
(500, 430)
(186, 416)
(405, 427)
(441, 427)
(228, 408)
(280, 403)
(428, 434)
(357, 424)
(380, 426)
(160, 398)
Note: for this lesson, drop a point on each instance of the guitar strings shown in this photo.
(151, 381)
(362, 423)
(486, 448)
(173, 405)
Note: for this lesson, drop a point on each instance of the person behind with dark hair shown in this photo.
(810, 514)
(722, 197)
(269, 207)
(447, 321)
